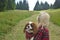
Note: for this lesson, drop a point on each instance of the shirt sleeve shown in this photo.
(38, 36)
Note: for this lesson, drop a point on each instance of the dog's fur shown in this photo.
(30, 26)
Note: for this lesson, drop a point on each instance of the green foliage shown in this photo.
(3, 5)
(9, 19)
(17, 31)
(11, 5)
(7, 4)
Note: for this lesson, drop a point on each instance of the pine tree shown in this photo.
(25, 5)
(46, 6)
(20, 5)
(3, 5)
(42, 6)
(51, 6)
(17, 5)
(37, 7)
(57, 4)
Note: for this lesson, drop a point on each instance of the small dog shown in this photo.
(30, 30)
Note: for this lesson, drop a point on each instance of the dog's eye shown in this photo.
(30, 26)
(27, 27)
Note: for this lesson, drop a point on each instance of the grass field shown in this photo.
(9, 19)
(17, 30)
(55, 16)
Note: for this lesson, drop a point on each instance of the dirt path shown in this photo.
(17, 31)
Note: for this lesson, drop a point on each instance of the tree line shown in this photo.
(23, 5)
(7, 5)
(39, 6)
(45, 6)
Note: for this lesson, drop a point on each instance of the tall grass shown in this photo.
(55, 16)
(9, 19)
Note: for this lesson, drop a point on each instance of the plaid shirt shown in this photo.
(29, 35)
(42, 34)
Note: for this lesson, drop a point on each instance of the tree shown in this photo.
(57, 4)
(11, 5)
(20, 5)
(51, 6)
(17, 5)
(46, 6)
(42, 6)
(37, 7)
(3, 5)
(25, 5)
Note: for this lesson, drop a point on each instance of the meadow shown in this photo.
(9, 19)
(55, 16)
(12, 23)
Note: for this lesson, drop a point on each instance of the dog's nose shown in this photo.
(31, 29)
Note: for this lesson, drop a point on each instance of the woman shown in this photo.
(43, 22)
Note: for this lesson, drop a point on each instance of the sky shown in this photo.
(33, 2)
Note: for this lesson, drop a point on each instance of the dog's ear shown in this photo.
(25, 27)
(34, 28)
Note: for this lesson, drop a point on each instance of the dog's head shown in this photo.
(30, 27)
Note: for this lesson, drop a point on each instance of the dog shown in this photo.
(30, 30)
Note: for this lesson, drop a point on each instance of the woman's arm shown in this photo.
(38, 36)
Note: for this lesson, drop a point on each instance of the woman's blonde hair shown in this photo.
(43, 18)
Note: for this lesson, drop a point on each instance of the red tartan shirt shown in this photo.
(42, 34)
(29, 35)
